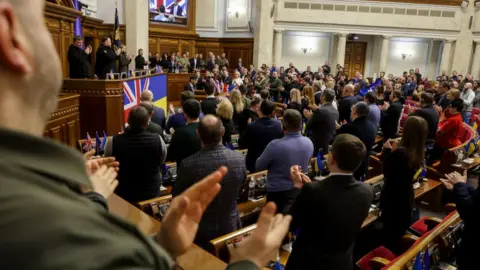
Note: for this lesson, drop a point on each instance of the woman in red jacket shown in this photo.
(448, 134)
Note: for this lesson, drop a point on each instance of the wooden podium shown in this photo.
(100, 104)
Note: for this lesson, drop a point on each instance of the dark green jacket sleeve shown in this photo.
(242, 265)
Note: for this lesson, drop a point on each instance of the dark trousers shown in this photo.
(280, 198)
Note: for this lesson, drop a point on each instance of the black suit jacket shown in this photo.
(140, 62)
(365, 131)
(322, 126)
(209, 106)
(193, 65)
(345, 107)
(228, 80)
(105, 61)
(190, 88)
(221, 216)
(171, 66)
(390, 118)
(467, 200)
(431, 116)
(256, 138)
(211, 65)
(79, 63)
(329, 214)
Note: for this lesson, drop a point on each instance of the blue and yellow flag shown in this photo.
(418, 263)
(471, 147)
(319, 165)
(421, 173)
(116, 30)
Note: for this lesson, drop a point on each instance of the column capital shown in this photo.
(386, 37)
(449, 40)
(477, 42)
(342, 34)
(279, 31)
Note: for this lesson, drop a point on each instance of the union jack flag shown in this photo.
(87, 144)
(131, 94)
(156, 4)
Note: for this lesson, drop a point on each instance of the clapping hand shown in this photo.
(390, 144)
(265, 241)
(102, 173)
(308, 114)
(180, 224)
(452, 179)
(88, 50)
(92, 165)
(298, 177)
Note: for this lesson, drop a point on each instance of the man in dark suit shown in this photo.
(430, 114)
(467, 200)
(228, 79)
(329, 214)
(209, 105)
(194, 64)
(249, 115)
(211, 61)
(260, 133)
(172, 64)
(391, 116)
(106, 57)
(141, 154)
(185, 141)
(441, 99)
(79, 59)
(152, 127)
(221, 217)
(191, 86)
(363, 129)
(140, 62)
(346, 103)
(158, 113)
(322, 122)
(176, 9)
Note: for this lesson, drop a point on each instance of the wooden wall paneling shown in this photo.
(153, 46)
(64, 123)
(169, 45)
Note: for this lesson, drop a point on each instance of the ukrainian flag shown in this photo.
(471, 147)
(421, 173)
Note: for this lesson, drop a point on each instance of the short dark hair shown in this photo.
(397, 93)
(139, 50)
(370, 97)
(426, 98)
(104, 39)
(193, 78)
(255, 101)
(349, 152)
(138, 118)
(77, 38)
(292, 120)
(162, 9)
(186, 95)
(191, 108)
(242, 89)
(457, 103)
(264, 94)
(147, 105)
(209, 89)
(329, 95)
(445, 85)
(362, 108)
(267, 107)
(210, 130)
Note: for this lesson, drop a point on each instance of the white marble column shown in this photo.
(476, 61)
(384, 54)
(137, 24)
(263, 35)
(446, 56)
(277, 49)
(342, 42)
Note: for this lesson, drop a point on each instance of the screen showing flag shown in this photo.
(133, 89)
(169, 11)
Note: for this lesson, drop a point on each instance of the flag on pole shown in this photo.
(418, 263)
(116, 30)
(104, 141)
(97, 144)
(319, 161)
(77, 29)
(87, 145)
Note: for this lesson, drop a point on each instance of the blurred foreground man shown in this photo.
(47, 223)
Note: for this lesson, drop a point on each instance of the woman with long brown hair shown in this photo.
(400, 163)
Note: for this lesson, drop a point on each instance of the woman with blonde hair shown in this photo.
(237, 102)
(295, 100)
(225, 112)
(309, 95)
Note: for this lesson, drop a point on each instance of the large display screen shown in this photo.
(169, 11)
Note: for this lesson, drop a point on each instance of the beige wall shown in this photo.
(292, 50)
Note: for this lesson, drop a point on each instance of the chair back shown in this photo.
(157, 207)
(221, 244)
(260, 189)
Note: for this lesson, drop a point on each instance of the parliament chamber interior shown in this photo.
(246, 134)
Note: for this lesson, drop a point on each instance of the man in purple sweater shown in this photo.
(280, 155)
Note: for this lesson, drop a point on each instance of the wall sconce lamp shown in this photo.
(305, 50)
(234, 11)
(465, 3)
(477, 3)
(405, 55)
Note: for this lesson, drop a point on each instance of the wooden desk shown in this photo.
(176, 84)
(195, 258)
(465, 167)
(248, 208)
(64, 123)
(426, 187)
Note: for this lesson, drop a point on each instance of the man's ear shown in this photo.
(223, 131)
(12, 52)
